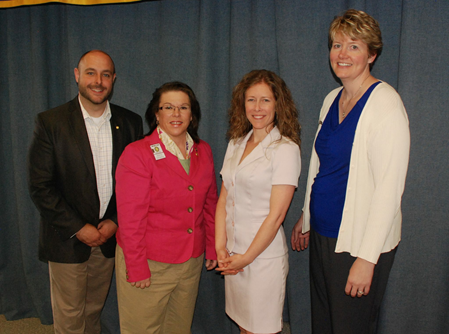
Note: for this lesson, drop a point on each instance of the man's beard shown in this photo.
(85, 94)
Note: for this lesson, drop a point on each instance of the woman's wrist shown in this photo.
(248, 258)
(220, 248)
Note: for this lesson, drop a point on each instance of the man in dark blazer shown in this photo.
(71, 165)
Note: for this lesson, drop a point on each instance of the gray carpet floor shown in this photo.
(34, 326)
(24, 326)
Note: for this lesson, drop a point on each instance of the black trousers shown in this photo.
(334, 312)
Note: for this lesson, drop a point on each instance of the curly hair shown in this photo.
(286, 117)
(358, 25)
(174, 86)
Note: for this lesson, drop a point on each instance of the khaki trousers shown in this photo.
(167, 306)
(78, 292)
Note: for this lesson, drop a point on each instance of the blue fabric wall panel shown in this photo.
(212, 82)
(253, 37)
(19, 223)
(303, 64)
(210, 45)
(417, 294)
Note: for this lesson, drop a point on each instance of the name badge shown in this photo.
(157, 151)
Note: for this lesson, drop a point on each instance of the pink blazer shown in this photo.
(164, 214)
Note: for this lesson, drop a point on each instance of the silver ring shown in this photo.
(360, 293)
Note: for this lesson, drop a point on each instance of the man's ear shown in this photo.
(77, 74)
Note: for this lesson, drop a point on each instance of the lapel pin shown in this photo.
(117, 127)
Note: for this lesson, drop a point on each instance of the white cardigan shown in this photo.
(372, 218)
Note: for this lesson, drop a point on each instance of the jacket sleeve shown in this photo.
(133, 181)
(43, 184)
(388, 154)
(137, 133)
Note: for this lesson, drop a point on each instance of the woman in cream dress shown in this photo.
(260, 173)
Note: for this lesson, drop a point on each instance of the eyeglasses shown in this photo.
(169, 108)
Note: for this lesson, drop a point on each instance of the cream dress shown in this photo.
(255, 297)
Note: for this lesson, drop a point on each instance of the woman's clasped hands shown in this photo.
(231, 265)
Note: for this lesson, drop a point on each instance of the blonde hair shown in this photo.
(286, 117)
(358, 25)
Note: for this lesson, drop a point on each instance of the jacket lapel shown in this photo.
(256, 153)
(239, 145)
(117, 138)
(78, 127)
(170, 161)
(260, 150)
(194, 161)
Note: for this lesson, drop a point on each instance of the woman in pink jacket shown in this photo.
(166, 199)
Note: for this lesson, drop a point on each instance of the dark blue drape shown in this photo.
(210, 45)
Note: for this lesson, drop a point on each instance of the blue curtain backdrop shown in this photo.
(210, 45)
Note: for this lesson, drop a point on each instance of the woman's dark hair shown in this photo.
(174, 86)
(286, 118)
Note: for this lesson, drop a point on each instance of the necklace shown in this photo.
(356, 93)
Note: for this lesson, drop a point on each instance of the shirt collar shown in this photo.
(271, 137)
(106, 114)
(171, 146)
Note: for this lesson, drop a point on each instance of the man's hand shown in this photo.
(107, 228)
(90, 236)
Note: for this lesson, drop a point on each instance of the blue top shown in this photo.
(333, 146)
